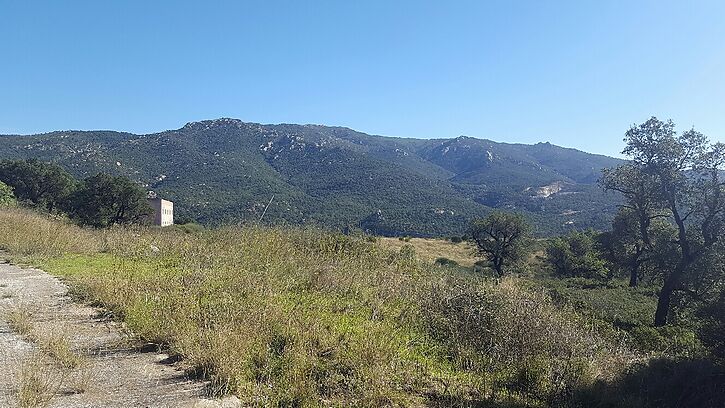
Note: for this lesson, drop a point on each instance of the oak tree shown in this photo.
(677, 177)
(501, 238)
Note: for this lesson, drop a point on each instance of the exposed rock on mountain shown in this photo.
(226, 170)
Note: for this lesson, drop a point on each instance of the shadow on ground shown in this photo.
(662, 383)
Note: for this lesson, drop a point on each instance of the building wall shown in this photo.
(163, 212)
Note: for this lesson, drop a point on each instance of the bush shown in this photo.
(520, 339)
(672, 339)
(407, 253)
(661, 383)
(577, 255)
(7, 198)
(713, 331)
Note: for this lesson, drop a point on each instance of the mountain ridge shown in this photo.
(222, 170)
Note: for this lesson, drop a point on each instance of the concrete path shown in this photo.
(111, 373)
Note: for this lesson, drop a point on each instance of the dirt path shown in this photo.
(109, 372)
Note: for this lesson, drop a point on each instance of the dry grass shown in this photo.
(429, 249)
(20, 320)
(80, 380)
(54, 343)
(49, 236)
(303, 317)
(52, 367)
(58, 348)
(38, 382)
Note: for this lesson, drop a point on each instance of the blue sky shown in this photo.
(573, 73)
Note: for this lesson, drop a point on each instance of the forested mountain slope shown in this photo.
(226, 170)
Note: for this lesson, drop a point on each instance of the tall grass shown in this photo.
(24, 233)
(300, 317)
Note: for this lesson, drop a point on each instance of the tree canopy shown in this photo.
(39, 183)
(501, 238)
(100, 201)
(676, 178)
(577, 254)
(104, 200)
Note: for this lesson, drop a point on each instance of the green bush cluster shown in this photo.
(520, 342)
(100, 201)
(661, 383)
(577, 255)
(7, 198)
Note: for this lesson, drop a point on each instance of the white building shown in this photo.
(163, 211)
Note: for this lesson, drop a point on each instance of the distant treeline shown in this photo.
(99, 201)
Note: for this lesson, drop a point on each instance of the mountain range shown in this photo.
(227, 171)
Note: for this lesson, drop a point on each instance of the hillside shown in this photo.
(226, 170)
(302, 317)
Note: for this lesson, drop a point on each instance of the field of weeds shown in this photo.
(305, 317)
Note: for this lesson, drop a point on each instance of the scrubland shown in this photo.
(307, 317)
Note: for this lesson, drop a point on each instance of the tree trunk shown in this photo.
(498, 267)
(665, 298)
(663, 303)
(673, 279)
(633, 276)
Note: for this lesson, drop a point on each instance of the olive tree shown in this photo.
(500, 238)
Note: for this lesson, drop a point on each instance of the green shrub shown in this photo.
(672, 339)
(712, 331)
(661, 383)
(519, 339)
(407, 253)
(577, 255)
(7, 198)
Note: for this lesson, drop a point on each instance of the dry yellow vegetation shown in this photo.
(429, 249)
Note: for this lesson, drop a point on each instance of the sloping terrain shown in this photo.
(226, 170)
